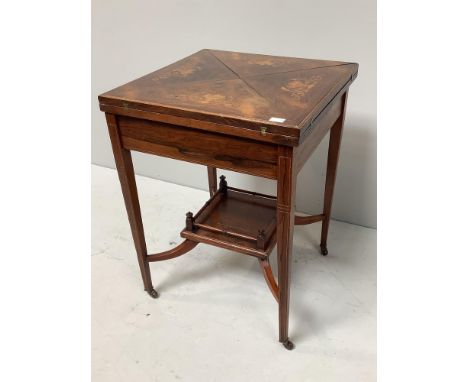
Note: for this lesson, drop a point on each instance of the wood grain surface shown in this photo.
(279, 96)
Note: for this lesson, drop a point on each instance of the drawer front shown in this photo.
(198, 146)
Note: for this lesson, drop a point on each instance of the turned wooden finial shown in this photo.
(189, 221)
(222, 184)
(261, 239)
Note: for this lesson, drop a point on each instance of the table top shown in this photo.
(237, 89)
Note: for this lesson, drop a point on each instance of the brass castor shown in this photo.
(324, 250)
(288, 344)
(153, 293)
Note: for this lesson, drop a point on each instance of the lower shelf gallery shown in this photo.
(235, 219)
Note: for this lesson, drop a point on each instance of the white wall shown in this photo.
(131, 38)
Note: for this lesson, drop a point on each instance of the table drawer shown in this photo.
(198, 146)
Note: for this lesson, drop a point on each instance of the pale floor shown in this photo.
(215, 319)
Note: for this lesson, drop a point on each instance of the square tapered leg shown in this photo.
(123, 161)
(334, 144)
(286, 187)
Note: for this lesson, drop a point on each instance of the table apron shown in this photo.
(199, 146)
(322, 125)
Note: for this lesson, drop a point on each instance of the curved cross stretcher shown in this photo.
(191, 225)
(181, 249)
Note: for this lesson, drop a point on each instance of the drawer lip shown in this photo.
(269, 172)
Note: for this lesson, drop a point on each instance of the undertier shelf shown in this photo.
(235, 219)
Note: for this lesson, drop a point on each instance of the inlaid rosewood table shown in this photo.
(254, 114)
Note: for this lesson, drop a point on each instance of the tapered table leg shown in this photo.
(212, 181)
(285, 228)
(336, 133)
(123, 161)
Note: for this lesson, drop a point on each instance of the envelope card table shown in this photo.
(254, 114)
